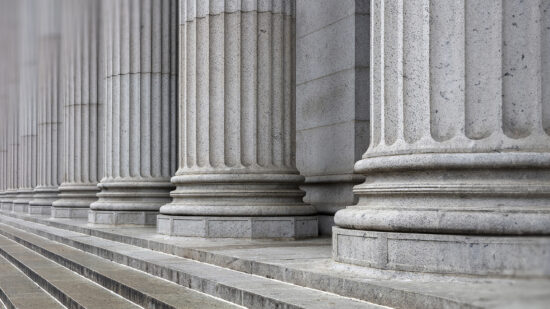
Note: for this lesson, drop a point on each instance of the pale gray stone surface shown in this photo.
(305, 263)
(49, 108)
(332, 100)
(83, 102)
(141, 107)
(237, 122)
(454, 152)
(27, 103)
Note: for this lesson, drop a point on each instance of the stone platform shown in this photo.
(302, 263)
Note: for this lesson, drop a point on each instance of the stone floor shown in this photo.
(308, 263)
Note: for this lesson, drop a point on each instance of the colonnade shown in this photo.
(181, 114)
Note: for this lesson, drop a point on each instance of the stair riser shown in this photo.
(206, 286)
(43, 283)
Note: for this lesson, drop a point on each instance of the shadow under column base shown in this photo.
(287, 227)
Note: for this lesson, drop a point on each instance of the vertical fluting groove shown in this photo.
(393, 74)
(447, 60)
(174, 89)
(191, 92)
(156, 89)
(109, 11)
(277, 102)
(416, 73)
(483, 70)
(376, 72)
(545, 62)
(202, 94)
(125, 88)
(232, 85)
(134, 100)
(146, 85)
(216, 89)
(521, 65)
(249, 90)
(92, 146)
(85, 92)
(265, 88)
(288, 85)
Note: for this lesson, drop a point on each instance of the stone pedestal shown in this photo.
(49, 133)
(83, 108)
(141, 38)
(237, 175)
(458, 168)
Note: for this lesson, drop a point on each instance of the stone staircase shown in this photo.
(50, 267)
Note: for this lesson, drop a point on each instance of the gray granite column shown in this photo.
(28, 97)
(49, 133)
(458, 168)
(237, 175)
(10, 106)
(140, 137)
(83, 97)
(11, 35)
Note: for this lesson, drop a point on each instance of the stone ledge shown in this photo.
(238, 227)
(113, 217)
(518, 256)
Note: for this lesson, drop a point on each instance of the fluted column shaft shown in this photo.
(83, 115)
(460, 121)
(49, 133)
(140, 137)
(11, 30)
(237, 111)
(28, 98)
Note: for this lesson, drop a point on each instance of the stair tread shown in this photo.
(83, 291)
(21, 291)
(211, 279)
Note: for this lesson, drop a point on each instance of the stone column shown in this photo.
(28, 97)
(140, 111)
(49, 133)
(10, 108)
(237, 175)
(458, 168)
(11, 25)
(83, 98)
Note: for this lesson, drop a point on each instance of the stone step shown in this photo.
(69, 288)
(136, 286)
(19, 291)
(234, 286)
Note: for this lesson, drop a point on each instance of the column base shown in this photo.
(43, 198)
(74, 200)
(69, 212)
(21, 202)
(292, 227)
(113, 217)
(516, 256)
